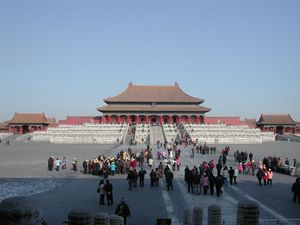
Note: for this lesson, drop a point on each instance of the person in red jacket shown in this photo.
(265, 177)
(270, 177)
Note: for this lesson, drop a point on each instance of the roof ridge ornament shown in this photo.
(130, 84)
(176, 84)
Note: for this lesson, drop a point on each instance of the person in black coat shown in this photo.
(219, 168)
(211, 179)
(141, 175)
(231, 175)
(109, 192)
(123, 210)
(219, 184)
(259, 175)
(152, 177)
(169, 179)
(296, 190)
(130, 178)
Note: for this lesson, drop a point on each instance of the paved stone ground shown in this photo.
(23, 172)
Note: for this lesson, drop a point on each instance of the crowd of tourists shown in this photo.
(206, 178)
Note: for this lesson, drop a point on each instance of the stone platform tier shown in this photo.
(86, 133)
(223, 134)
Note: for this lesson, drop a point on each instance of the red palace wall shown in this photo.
(77, 120)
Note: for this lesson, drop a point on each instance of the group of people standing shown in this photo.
(105, 189)
(57, 163)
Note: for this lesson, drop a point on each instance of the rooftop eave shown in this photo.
(108, 101)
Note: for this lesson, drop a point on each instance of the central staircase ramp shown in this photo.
(156, 134)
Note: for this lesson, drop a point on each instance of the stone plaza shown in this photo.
(55, 193)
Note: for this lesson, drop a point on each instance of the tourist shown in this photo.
(197, 183)
(50, 163)
(109, 192)
(219, 184)
(270, 177)
(169, 179)
(85, 166)
(190, 181)
(178, 163)
(253, 167)
(135, 173)
(259, 175)
(141, 176)
(123, 210)
(212, 180)
(231, 174)
(101, 190)
(225, 175)
(152, 177)
(158, 175)
(240, 168)
(57, 164)
(150, 162)
(130, 179)
(64, 163)
(265, 176)
(287, 162)
(74, 164)
(235, 175)
(205, 183)
(186, 173)
(113, 168)
(296, 190)
(250, 156)
(163, 154)
(219, 166)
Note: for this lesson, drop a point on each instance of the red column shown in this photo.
(179, 119)
(109, 119)
(197, 119)
(147, 119)
(161, 119)
(128, 119)
(170, 119)
(21, 130)
(119, 119)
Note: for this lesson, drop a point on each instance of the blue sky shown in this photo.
(63, 57)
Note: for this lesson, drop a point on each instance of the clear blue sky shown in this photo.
(63, 57)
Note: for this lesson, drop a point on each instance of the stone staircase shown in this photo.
(129, 136)
(156, 134)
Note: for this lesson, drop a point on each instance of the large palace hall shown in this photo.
(153, 104)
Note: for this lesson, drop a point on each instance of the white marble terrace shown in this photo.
(223, 134)
(86, 133)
